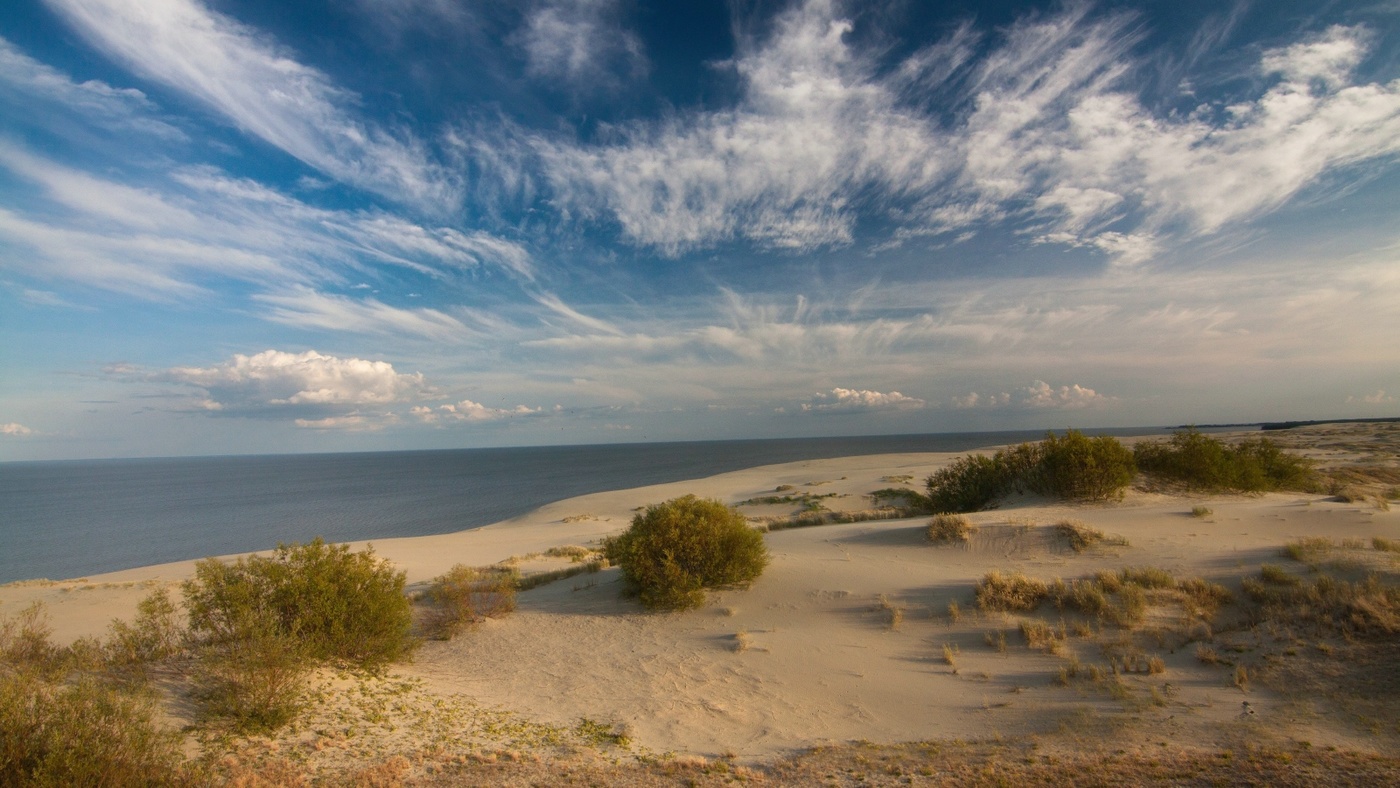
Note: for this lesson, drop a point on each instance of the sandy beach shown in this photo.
(858, 632)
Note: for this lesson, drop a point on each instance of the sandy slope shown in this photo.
(820, 660)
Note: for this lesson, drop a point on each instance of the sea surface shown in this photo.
(75, 518)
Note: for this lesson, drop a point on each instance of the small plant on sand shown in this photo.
(894, 614)
(677, 549)
(1308, 549)
(950, 656)
(949, 528)
(464, 595)
(1201, 511)
(1009, 593)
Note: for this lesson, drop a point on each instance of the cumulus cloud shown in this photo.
(1377, 398)
(15, 430)
(975, 400)
(1042, 395)
(263, 90)
(318, 390)
(468, 411)
(840, 400)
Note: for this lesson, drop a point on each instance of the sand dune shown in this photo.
(815, 653)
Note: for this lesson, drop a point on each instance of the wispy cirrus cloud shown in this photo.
(1052, 141)
(24, 80)
(260, 87)
(581, 43)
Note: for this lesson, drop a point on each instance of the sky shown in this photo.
(242, 226)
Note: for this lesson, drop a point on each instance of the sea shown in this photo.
(74, 518)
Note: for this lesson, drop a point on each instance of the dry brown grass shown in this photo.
(944, 528)
(1010, 593)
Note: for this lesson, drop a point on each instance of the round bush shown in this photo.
(677, 549)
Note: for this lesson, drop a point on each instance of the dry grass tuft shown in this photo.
(1010, 593)
(949, 528)
(1080, 536)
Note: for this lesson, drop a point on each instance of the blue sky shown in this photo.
(243, 226)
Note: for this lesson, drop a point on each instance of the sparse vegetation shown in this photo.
(1201, 512)
(949, 528)
(1080, 536)
(677, 549)
(463, 595)
(1201, 462)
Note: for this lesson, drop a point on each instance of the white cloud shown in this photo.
(780, 169)
(43, 89)
(354, 422)
(1042, 395)
(975, 400)
(840, 400)
(15, 430)
(309, 309)
(307, 385)
(1378, 398)
(263, 90)
(468, 411)
(580, 42)
(1054, 142)
(166, 238)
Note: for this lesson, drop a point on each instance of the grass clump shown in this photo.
(1201, 512)
(1080, 536)
(949, 528)
(675, 550)
(464, 595)
(1009, 593)
(1201, 462)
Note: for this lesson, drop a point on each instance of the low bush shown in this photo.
(1079, 468)
(336, 604)
(257, 681)
(82, 733)
(463, 595)
(949, 528)
(1073, 467)
(155, 634)
(675, 550)
(1201, 462)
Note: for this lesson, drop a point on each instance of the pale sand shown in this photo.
(822, 663)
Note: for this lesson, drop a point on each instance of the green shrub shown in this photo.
(25, 646)
(82, 733)
(1079, 468)
(1073, 467)
(1201, 462)
(463, 595)
(971, 483)
(336, 604)
(154, 635)
(256, 681)
(675, 550)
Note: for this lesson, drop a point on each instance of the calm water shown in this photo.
(70, 519)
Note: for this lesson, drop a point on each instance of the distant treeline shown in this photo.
(1288, 425)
